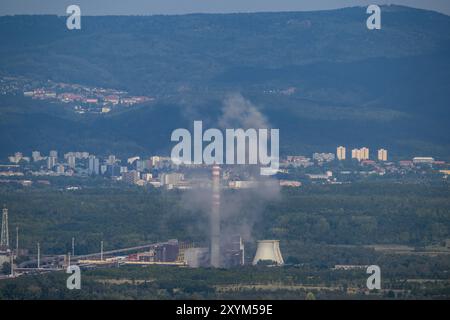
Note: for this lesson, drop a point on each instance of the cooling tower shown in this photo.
(215, 218)
(268, 250)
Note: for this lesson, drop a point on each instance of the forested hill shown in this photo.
(321, 77)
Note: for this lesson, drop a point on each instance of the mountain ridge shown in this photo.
(349, 85)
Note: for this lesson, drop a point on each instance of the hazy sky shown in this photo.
(148, 7)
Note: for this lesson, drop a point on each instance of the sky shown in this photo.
(149, 7)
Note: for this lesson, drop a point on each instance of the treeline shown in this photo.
(362, 213)
(290, 282)
(121, 216)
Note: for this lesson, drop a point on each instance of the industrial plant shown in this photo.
(224, 251)
(228, 251)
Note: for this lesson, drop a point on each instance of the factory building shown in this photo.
(197, 257)
(233, 252)
(165, 252)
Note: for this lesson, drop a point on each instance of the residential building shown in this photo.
(171, 178)
(130, 177)
(71, 161)
(93, 166)
(51, 162)
(323, 157)
(382, 155)
(340, 153)
(36, 156)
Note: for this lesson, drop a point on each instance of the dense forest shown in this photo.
(414, 214)
(319, 226)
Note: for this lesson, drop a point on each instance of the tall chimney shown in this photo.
(215, 218)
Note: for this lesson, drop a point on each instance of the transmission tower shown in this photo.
(4, 241)
(38, 255)
(17, 241)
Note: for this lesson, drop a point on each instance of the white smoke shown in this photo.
(240, 209)
(237, 112)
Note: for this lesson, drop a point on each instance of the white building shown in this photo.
(364, 153)
(356, 154)
(360, 154)
(382, 155)
(171, 178)
(423, 160)
(239, 184)
(340, 153)
(111, 159)
(323, 157)
(94, 166)
(36, 155)
(71, 161)
(51, 162)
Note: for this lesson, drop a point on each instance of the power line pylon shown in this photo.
(4, 239)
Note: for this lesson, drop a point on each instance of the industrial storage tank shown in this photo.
(268, 250)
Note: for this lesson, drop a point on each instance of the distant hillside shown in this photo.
(321, 77)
